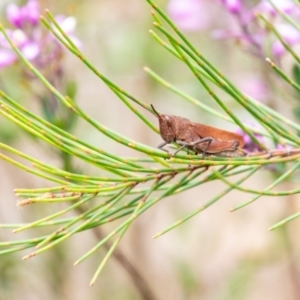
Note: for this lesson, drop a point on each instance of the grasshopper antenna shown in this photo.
(154, 112)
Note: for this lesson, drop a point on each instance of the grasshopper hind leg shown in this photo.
(207, 140)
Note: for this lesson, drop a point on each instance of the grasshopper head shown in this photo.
(167, 126)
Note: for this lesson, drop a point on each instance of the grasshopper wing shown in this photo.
(218, 134)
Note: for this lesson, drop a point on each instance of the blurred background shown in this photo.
(217, 254)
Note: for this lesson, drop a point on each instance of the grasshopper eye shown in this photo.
(169, 123)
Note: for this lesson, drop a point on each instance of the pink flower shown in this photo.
(68, 25)
(287, 6)
(7, 57)
(289, 34)
(43, 49)
(189, 14)
(253, 86)
(233, 6)
(30, 49)
(251, 34)
(25, 15)
(249, 144)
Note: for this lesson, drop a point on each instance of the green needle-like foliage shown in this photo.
(119, 197)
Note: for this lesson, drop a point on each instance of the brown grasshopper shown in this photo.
(198, 137)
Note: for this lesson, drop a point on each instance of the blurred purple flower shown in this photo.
(233, 6)
(285, 147)
(289, 34)
(246, 30)
(250, 146)
(287, 6)
(68, 25)
(36, 45)
(189, 14)
(253, 86)
(27, 15)
(250, 34)
(7, 56)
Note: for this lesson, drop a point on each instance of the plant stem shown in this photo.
(139, 281)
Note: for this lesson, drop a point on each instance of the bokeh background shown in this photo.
(217, 254)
